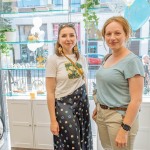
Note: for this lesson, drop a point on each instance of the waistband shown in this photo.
(76, 92)
(113, 108)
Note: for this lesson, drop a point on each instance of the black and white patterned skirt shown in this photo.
(73, 116)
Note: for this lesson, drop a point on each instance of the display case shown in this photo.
(22, 70)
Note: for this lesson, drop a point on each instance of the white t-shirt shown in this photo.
(67, 77)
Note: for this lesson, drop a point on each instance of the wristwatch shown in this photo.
(125, 127)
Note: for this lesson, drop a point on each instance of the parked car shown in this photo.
(94, 58)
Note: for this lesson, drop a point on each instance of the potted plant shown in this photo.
(90, 18)
(10, 34)
(6, 27)
(5, 48)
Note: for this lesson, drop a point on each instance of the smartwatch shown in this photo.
(125, 127)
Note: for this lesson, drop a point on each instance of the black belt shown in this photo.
(113, 108)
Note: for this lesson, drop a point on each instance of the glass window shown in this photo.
(135, 45)
(92, 47)
(75, 5)
(28, 3)
(149, 41)
(58, 4)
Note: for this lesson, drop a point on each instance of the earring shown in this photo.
(75, 49)
(60, 50)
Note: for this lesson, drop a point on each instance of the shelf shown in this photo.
(131, 39)
(31, 68)
(101, 8)
(45, 13)
(26, 94)
(139, 39)
(28, 42)
(93, 40)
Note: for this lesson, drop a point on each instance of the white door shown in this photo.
(42, 135)
(20, 120)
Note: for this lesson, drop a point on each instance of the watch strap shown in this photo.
(125, 127)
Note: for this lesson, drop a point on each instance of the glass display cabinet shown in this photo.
(22, 64)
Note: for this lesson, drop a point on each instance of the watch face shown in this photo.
(125, 127)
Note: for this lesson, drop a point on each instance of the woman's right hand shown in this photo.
(54, 127)
(94, 114)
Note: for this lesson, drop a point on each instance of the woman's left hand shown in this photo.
(94, 114)
(122, 138)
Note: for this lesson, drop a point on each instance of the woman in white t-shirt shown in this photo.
(66, 93)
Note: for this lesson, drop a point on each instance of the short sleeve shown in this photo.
(51, 67)
(84, 65)
(134, 67)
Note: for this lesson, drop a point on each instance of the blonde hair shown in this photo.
(122, 21)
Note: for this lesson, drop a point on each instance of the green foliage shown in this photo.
(5, 7)
(4, 47)
(89, 14)
(5, 26)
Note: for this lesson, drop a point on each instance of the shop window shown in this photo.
(58, 4)
(149, 40)
(28, 3)
(135, 45)
(92, 47)
(75, 5)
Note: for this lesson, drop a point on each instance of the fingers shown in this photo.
(54, 128)
(55, 133)
(121, 144)
(94, 114)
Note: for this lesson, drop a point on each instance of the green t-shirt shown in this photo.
(112, 83)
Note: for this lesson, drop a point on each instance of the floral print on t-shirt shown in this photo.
(72, 71)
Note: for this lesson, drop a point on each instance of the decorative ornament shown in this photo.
(60, 50)
(32, 46)
(137, 14)
(128, 2)
(40, 59)
(116, 6)
(36, 34)
(75, 49)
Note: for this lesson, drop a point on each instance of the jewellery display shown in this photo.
(19, 86)
(38, 86)
(23, 81)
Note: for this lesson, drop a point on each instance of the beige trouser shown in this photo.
(109, 122)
